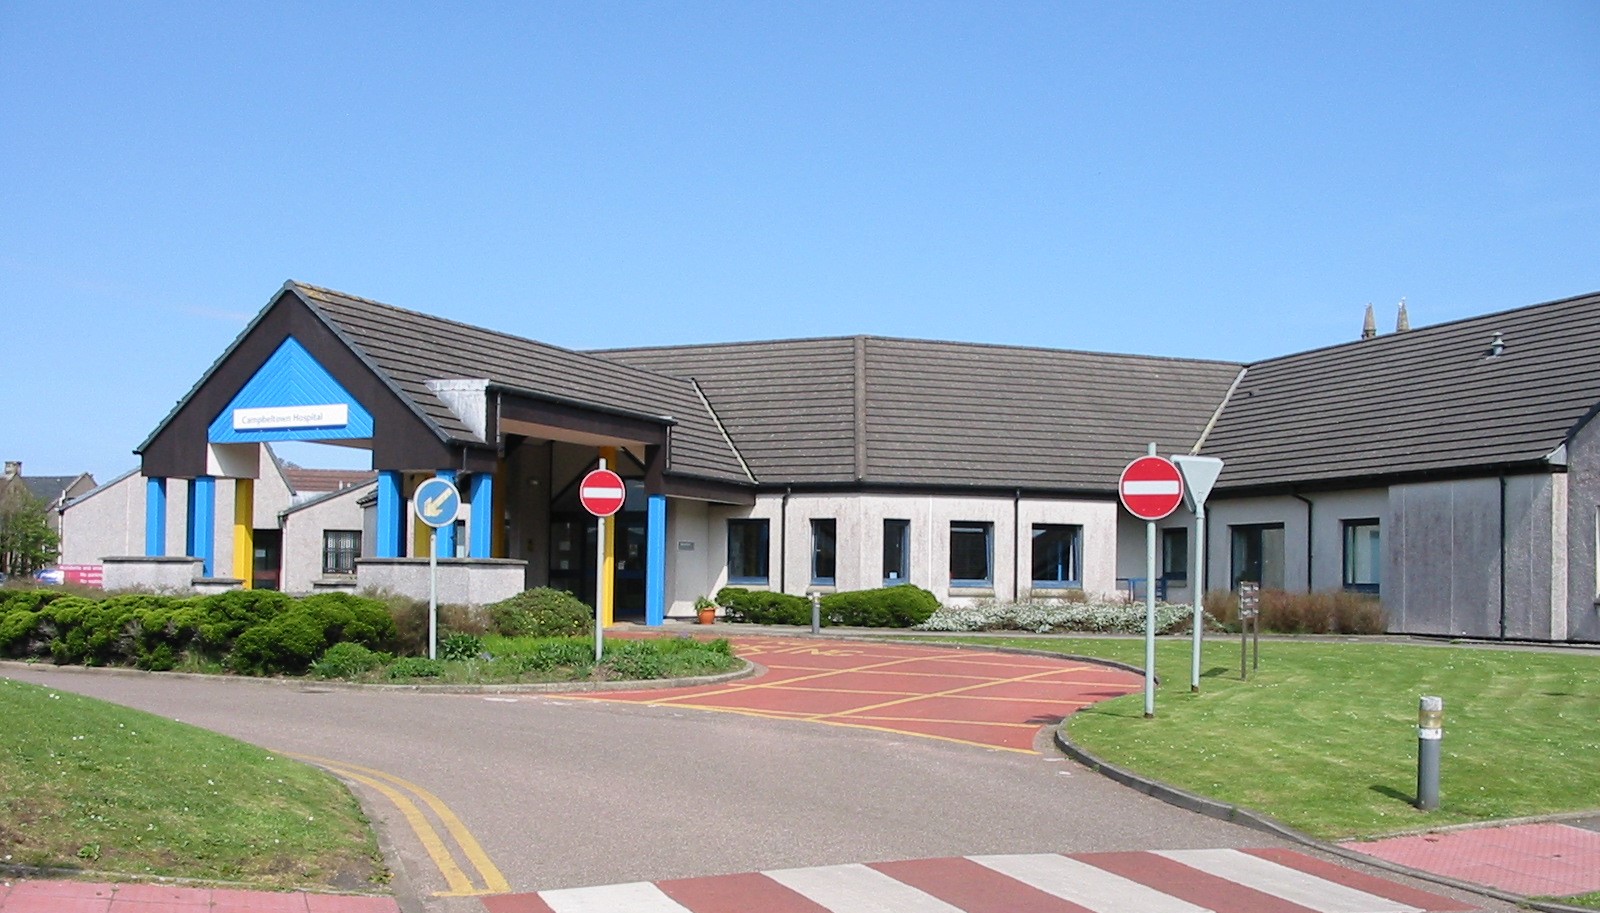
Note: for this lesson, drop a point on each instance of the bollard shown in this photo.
(816, 613)
(1430, 732)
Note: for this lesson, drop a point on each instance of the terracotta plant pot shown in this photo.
(708, 615)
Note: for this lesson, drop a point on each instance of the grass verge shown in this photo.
(1323, 736)
(92, 786)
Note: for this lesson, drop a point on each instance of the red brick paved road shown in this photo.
(978, 697)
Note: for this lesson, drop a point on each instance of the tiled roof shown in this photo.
(305, 481)
(1428, 400)
(392, 339)
(904, 411)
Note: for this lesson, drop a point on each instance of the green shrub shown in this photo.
(542, 612)
(293, 639)
(549, 655)
(460, 647)
(348, 661)
(763, 608)
(415, 667)
(633, 659)
(886, 607)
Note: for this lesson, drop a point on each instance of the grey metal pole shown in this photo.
(1197, 574)
(816, 614)
(433, 593)
(1430, 733)
(1150, 614)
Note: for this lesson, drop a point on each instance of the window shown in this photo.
(340, 549)
(1057, 555)
(1258, 555)
(747, 551)
(971, 554)
(1175, 554)
(896, 552)
(824, 539)
(1362, 555)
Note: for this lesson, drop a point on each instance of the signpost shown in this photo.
(602, 494)
(1199, 475)
(1150, 488)
(1249, 620)
(437, 503)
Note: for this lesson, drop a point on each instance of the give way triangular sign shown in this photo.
(1199, 475)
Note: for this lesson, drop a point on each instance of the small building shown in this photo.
(51, 491)
(1448, 469)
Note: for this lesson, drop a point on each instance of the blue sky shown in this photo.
(1222, 180)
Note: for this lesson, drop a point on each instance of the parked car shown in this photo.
(53, 576)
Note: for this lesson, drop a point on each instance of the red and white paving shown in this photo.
(1179, 881)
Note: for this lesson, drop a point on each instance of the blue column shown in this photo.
(447, 534)
(389, 519)
(155, 517)
(480, 538)
(655, 572)
(201, 535)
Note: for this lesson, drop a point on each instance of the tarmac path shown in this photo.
(530, 793)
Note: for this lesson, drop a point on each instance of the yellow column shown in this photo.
(608, 561)
(421, 534)
(244, 530)
(498, 547)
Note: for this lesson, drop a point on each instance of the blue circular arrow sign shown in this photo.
(437, 502)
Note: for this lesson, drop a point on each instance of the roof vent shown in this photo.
(1369, 327)
(1402, 323)
(1496, 346)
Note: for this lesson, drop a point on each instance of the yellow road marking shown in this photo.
(736, 689)
(918, 719)
(494, 881)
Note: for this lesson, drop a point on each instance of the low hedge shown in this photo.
(542, 612)
(251, 631)
(886, 607)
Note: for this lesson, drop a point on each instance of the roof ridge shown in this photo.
(873, 337)
(1432, 329)
(717, 420)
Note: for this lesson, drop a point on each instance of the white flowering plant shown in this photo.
(1049, 618)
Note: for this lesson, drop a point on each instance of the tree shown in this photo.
(26, 541)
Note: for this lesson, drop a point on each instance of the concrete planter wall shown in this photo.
(162, 574)
(462, 581)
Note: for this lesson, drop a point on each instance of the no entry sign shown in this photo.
(601, 492)
(1151, 488)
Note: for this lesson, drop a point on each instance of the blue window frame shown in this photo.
(971, 554)
(1057, 555)
(748, 552)
(824, 544)
(896, 552)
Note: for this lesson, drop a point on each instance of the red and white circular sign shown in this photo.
(601, 492)
(1151, 487)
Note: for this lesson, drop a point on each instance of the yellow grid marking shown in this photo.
(923, 697)
(460, 884)
(918, 719)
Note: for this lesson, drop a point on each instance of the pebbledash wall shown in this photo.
(1480, 531)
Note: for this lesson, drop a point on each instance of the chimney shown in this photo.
(1402, 323)
(1369, 327)
(13, 469)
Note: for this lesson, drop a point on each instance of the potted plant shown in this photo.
(706, 610)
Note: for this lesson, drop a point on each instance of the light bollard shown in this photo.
(1430, 732)
(816, 613)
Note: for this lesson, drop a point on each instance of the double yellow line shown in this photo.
(394, 789)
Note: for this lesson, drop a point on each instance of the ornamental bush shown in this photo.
(542, 612)
(763, 608)
(888, 607)
(1045, 618)
(348, 661)
(293, 639)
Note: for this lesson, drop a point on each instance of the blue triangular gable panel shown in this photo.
(281, 403)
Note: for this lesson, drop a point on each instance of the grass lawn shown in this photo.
(90, 785)
(1323, 737)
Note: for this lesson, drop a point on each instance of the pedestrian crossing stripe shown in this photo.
(1172, 881)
